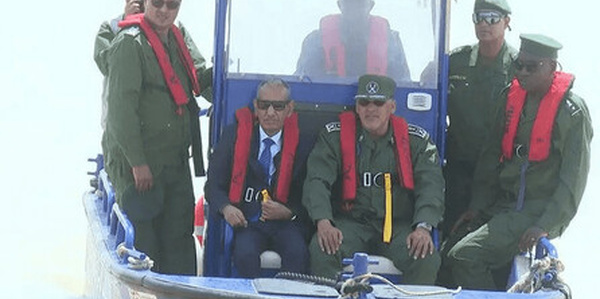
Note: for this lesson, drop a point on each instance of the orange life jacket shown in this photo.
(291, 135)
(541, 134)
(173, 83)
(348, 148)
(335, 53)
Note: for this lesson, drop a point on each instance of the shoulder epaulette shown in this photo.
(417, 131)
(572, 107)
(333, 126)
(461, 49)
(132, 30)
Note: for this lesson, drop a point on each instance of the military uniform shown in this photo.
(144, 128)
(474, 86)
(107, 32)
(475, 83)
(552, 187)
(362, 226)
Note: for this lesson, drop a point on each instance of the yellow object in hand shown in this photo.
(265, 197)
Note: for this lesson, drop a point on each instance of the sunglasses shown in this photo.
(530, 66)
(490, 17)
(170, 5)
(277, 105)
(366, 102)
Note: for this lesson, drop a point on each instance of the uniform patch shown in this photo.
(133, 30)
(461, 49)
(417, 131)
(457, 77)
(573, 109)
(333, 126)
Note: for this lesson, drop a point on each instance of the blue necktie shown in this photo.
(265, 158)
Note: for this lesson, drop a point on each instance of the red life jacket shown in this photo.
(173, 83)
(291, 135)
(541, 134)
(348, 148)
(377, 48)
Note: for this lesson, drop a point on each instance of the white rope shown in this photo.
(137, 264)
(133, 262)
(365, 277)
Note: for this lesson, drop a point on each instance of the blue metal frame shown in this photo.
(219, 67)
(121, 230)
(443, 70)
(233, 91)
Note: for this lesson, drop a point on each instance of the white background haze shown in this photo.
(49, 126)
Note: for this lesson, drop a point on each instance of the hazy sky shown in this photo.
(49, 126)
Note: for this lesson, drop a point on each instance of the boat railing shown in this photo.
(121, 232)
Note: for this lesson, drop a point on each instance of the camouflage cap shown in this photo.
(375, 88)
(540, 45)
(499, 5)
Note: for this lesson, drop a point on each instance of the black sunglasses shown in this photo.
(366, 102)
(530, 66)
(170, 5)
(489, 17)
(277, 105)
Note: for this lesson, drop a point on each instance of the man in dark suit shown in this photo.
(255, 182)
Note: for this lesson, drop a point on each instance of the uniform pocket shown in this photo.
(142, 205)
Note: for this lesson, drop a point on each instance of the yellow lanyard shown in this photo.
(387, 222)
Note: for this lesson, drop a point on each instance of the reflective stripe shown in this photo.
(199, 231)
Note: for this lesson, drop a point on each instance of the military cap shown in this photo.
(498, 5)
(540, 45)
(375, 88)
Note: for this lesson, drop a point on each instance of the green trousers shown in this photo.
(367, 237)
(459, 178)
(490, 247)
(163, 217)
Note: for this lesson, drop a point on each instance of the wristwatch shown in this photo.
(425, 225)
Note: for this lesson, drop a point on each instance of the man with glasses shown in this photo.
(374, 184)
(255, 182)
(533, 168)
(109, 29)
(477, 74)
(353, 43)
(152, 81)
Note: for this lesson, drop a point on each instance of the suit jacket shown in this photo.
(219, 176)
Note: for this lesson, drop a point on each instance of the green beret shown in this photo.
(498, 5)
(540, 45)
(376, 88)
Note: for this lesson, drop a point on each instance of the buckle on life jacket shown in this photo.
(521, 151)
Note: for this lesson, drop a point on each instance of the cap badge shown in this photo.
(372, 87)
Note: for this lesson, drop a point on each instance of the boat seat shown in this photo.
(270, 262)
(311, 120)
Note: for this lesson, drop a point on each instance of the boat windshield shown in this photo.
(333, 40)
